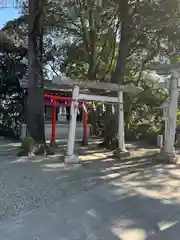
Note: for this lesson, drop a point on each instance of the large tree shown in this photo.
(147, 30)
(35, 119)
(12, 68)
(93, 39)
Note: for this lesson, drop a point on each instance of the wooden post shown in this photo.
(53, 136)
(85, 138)
(70, 158)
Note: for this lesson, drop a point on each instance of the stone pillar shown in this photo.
(172, 111)
(121, 151)
(70, 157)
(121, 141)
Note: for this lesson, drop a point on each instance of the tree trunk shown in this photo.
(35, 115)
(118, 75)
(110, 128)
(92, 47)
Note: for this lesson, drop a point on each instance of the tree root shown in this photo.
(109, 144)
(30, 148)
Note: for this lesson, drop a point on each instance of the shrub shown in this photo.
(27, 144)
(148, 132)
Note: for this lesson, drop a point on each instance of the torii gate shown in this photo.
(171, 105)
(76, 85)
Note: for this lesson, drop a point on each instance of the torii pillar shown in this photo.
(168, 152)
(121, 151)
(70, 157)
(172, 114)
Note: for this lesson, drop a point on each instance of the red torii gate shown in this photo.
(54, 104)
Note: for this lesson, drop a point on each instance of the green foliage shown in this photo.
(11, 98)
(178, 119)
(27, 144)
(82, 40)
(148, 132)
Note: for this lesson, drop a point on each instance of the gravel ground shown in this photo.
(41, 198)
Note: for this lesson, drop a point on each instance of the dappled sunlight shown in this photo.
(59, 166)
(154, 186)
(92, 213)
(128, 199)
(33, 159)
(141, 174)
(49, 169)
(107, 160)
(166, 225)
(147, 192)
(21, 160)
(122, 193)
(163, 186)
(173, 182)
(114, 168)
(8, 150)
(175, 172)
(131, 228)
(111, 176)
(14, 145)
(93, 151)
(93, 156)
(54, 165)
(131, 234)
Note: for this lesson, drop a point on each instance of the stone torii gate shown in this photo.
(76, 85)
(171, 105)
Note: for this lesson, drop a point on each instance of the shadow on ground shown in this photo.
(103, 198)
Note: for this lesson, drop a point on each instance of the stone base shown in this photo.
(162, 150)
(118, 153)
(168, 158)
(85, 141)
(71, 159)
(53, 144)
(50, 151)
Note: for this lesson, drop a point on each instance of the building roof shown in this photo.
(49, 85)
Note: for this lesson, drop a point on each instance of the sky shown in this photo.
(8, 11)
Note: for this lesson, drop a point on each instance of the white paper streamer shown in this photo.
(113, 109)
(74, 107)
(103, 108)
(94, 107)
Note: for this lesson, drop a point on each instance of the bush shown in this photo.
(148, 133)
(27, 144)
(11, 115)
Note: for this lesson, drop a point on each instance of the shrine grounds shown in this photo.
(103, 198)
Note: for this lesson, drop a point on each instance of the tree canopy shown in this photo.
(107, 41)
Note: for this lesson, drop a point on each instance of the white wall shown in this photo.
(61, 131)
